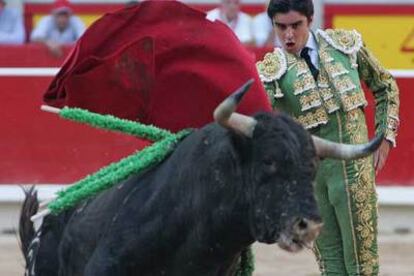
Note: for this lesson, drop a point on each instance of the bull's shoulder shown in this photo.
(273, 66)
(346, 41)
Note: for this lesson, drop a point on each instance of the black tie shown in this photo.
(305, 55)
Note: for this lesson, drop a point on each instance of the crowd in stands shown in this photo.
(63, 27)
(253, 31)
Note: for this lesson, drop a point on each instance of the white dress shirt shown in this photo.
(313, 49)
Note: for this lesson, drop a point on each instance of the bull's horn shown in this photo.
(328, 149)
(225, 116)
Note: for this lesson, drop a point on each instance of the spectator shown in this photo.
(11, 25)
(229, 13)
(263, 32)
(59, 28)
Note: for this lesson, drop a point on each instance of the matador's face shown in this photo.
(292, 29)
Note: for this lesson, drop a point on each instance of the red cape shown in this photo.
(160, 63)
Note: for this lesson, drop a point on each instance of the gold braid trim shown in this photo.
(363, 190)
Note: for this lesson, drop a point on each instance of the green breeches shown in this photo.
(345, 192)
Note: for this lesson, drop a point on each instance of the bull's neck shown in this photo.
(225, 216)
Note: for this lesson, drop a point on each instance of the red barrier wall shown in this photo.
(29, 55)
(38, 147)
(398, 170)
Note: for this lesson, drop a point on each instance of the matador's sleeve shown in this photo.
(385, 91)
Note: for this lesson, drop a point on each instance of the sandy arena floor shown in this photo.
(397, 258)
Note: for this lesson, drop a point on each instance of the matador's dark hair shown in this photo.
(304, 7)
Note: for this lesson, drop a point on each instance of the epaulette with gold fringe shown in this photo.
(273, 66)
(348, 42)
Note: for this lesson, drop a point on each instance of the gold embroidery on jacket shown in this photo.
(352, 101)
(302, 68)
(335, 69)
(310, 101)
(313, 118)
(323, 81)
(349, 94)
(393, 112)
(381, 81)
(348, 42)
(325, 57)
(303, 83)
(326, 93)
(331, 105)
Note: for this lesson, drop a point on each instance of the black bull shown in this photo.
(222, 189)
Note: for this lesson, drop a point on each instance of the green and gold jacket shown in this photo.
(343, 63)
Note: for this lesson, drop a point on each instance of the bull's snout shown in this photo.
(302, 233)
(306, 231)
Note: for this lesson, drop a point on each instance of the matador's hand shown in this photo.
(381, 155)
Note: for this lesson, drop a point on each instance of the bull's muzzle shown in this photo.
(301, 234)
